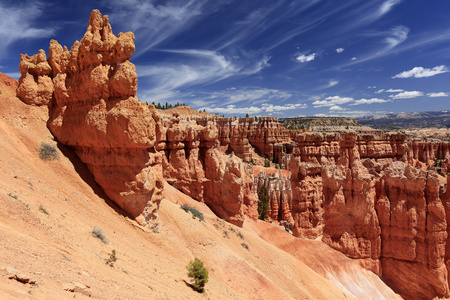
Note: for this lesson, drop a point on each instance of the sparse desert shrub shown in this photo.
(43, 210)
(12, 196)
(112, 258)
(98, 233)
(240, 235)
(198, 273)
(48, 152)
(245, 246)
(194, 211)
(225, 234)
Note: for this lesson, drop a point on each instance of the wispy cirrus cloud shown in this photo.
(16, 23)
(439, 94)
(419, 72)
(407, 95)
(332, 83)
(396, 36)
(390, 40)
(387, 6)
(153, 24)
(199, 67)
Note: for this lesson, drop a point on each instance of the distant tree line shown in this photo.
(167, 105)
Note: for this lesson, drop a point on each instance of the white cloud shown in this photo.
(440, 94)
(331, 101)
(232, 109)
(394, 90)
(336, 108)
(407, 95)
(305, 58)
(340, 50)
(278, 108)
(419, 72)
(369, 101)
(379, 91)
(353, 58)
(265, 108)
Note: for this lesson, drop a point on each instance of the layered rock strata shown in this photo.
(360, 194)
(193, 162)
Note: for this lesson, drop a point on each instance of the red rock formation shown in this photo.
(351, 223)
(194, 164)
(35, 84)
(359, 192)
(95, 111)
(126, 143)
(414, 231)
(266, 133)
(362, 193)
(278, 186)
(233, 136)
(428, 151)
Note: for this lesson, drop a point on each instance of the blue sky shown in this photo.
(279, 58)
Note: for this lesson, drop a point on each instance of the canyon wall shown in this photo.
(364, 195)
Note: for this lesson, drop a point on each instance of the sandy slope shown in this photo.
(48, 210)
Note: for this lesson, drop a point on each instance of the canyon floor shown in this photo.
(48, 210)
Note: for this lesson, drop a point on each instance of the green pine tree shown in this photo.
(263, 203)
(198, 273)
